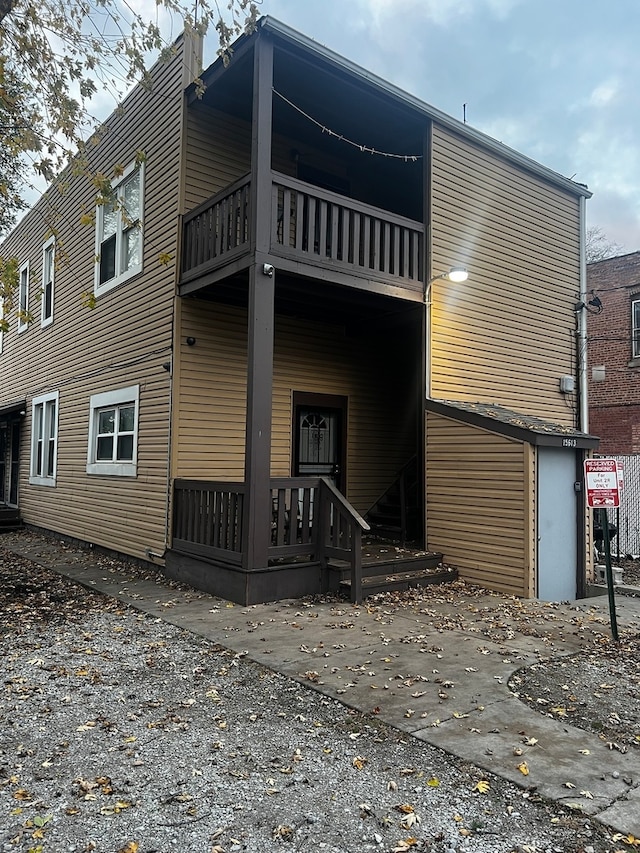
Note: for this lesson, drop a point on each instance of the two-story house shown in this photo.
(306, 366)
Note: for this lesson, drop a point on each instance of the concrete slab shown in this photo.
(565, 764)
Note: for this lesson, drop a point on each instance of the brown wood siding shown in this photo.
(311, 357)
(479, 504)
(505, 335)
(123, 341)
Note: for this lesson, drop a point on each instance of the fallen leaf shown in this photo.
(482, 786)
(359, 762)
(523, 767)
(433, 782)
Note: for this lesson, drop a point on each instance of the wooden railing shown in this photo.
(309, 518)
(217, 230)
(207, 519)
(312, 223)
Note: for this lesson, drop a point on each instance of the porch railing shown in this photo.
(217, 230)
(207, 519)
(309, 517)
(309, 225)
(326, 227)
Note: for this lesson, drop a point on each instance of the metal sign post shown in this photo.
(603, 490)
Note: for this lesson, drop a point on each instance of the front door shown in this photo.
(318, 441)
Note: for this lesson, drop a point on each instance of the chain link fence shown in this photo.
(627, 517)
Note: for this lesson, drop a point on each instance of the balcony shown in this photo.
(313, 231)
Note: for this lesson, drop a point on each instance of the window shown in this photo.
(44, 439)
(113, 433)
(23, 298)
(635, 328)
(119, 232)
(48, 260)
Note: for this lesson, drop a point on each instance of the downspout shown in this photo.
(583, 559)
(581, 333)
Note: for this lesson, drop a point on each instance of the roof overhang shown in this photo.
(285, 33)
(16, 408)
(503, 421)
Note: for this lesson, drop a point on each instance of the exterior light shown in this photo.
(457, 274)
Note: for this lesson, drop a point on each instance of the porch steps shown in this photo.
(398, 574)
(9, 519)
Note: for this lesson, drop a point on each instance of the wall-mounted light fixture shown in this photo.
(456, 274)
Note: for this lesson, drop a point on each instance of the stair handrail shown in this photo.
(400, 478)
(329, 494)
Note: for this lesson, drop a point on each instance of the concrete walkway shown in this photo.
(437, 668)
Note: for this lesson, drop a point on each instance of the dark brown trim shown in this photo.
(571, 440)
(256, 532)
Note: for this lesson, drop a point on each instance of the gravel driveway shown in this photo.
(122, 733)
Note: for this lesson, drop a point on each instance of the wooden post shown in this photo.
(260, 327)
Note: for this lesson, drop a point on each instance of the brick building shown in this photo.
(614, 344)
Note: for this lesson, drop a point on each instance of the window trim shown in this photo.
(49, 244)
(105, 400)
(635, 330)
(23, 325)
(99, 288)
(36, 479)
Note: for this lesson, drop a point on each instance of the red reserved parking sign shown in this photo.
(602, 483)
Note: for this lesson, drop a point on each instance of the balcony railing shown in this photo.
(308, 225)
(309, 517)
(217, 231)
(327, 228)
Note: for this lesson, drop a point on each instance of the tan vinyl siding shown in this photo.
(479, 496)
(122, 342)
(218, 153)
(310, 357)
(507, 334)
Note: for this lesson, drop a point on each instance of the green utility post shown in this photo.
(604, 521)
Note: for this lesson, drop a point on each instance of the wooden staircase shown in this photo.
(395, 515)
(387, 567)
(9, 519)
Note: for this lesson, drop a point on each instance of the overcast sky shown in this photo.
(558, 80)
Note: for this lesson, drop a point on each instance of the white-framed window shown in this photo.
(635, 328)
(44, 439)
(48, 271)
(119, 232)
(113, 433)
(23, 298)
